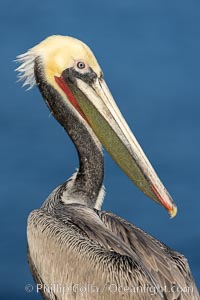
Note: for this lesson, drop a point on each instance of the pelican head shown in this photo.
(69, 67)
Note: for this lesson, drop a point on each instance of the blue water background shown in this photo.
(150, 54)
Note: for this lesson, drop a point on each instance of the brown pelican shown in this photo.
(75, 250)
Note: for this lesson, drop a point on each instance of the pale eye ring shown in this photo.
(80, 65)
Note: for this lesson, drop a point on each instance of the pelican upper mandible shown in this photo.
(75, 250)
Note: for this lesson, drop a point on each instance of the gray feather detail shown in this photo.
(169, 268)
(77, 244)
(72, 255)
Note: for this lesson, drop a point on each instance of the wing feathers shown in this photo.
(169, 268)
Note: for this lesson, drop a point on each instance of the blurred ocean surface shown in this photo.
(150, 54)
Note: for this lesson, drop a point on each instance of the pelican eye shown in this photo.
(80, 65)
